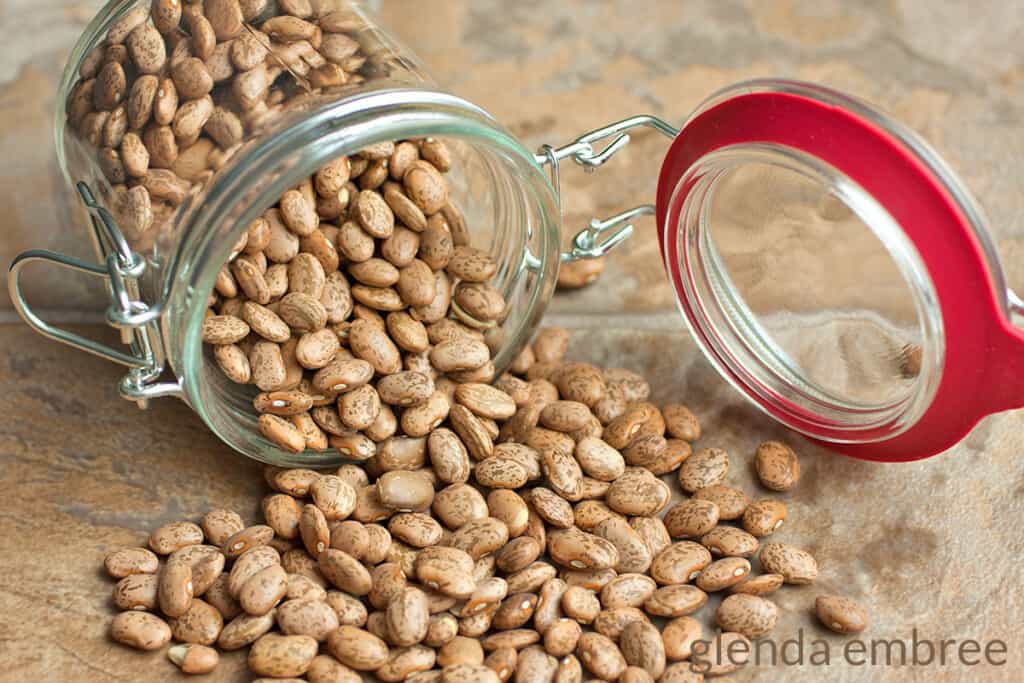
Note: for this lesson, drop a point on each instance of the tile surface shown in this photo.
(933, 545)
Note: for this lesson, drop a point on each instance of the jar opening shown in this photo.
(805, 292)
(508, 203)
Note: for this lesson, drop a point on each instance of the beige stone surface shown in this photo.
(933, 545)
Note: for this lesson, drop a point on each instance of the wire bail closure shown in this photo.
(601, 236)
(138, 321)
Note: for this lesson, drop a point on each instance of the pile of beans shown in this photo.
(531, 536)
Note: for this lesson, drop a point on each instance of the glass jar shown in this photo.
(759, 165)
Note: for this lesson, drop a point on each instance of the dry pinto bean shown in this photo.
(128, 561)
(680, 563)
(797, 566)
(301, 587)
(637, 492)
(206, 561)
(840, 614)
(627, 590)
(371, 343)
(601, 656)
(137, 592)
(642, 646)
(341, 375)
(388, 582)
(472, 431)
(653, 532)
(405, 389)
(140, 630)
(722, 574)
(610, 622)
(302, 312)
(408, 617)
(485, 401)
(335, 497)
(459, 504)
(403, 662)
(193, 658)
(633, 553)
(759, 585)
(345, 572)
(219, 524)
(357, 648)
(675, 601)
(679, 636)
(281, 656)
(448, 456)
(706, 467)
(777, 466)
(249, 564)
(581, 604)
(244, 629)
(200, 624)
(282, 433)
(313, 530)
(170, 537)
(764, 517)
(359, 408)
(175, 589)
(295, 482)
(750, 615)
(503, 662)
(562, 472)
(580, 550)
(480, 537)
(599, 460)
(731, 502)
(415, 528)
(261, 592)
(691, 518)
(420, 420)
(284, 403)
(459, 354)
(515, 611)
(510, 508)
(500, 473)
(729, 541)
(591, 511)
(316, 349)
(352, 537)
(551, 507)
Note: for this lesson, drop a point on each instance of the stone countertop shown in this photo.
(932, 545)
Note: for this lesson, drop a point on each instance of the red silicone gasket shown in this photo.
(984, 363)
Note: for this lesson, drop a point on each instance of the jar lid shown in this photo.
(836, 271)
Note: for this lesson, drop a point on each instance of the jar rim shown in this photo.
(301, 143)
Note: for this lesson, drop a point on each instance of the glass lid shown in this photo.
(826, 261)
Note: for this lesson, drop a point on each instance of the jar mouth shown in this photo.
(755, 324)
(523, 223)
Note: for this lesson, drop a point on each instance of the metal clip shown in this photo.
(614, 230)
(121, 267)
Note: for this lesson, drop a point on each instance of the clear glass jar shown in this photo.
(877, 341)
(171, 260)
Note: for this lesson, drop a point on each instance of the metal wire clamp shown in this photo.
(601, 236)
(138, 322)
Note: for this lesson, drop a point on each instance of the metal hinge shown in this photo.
(601, 236)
